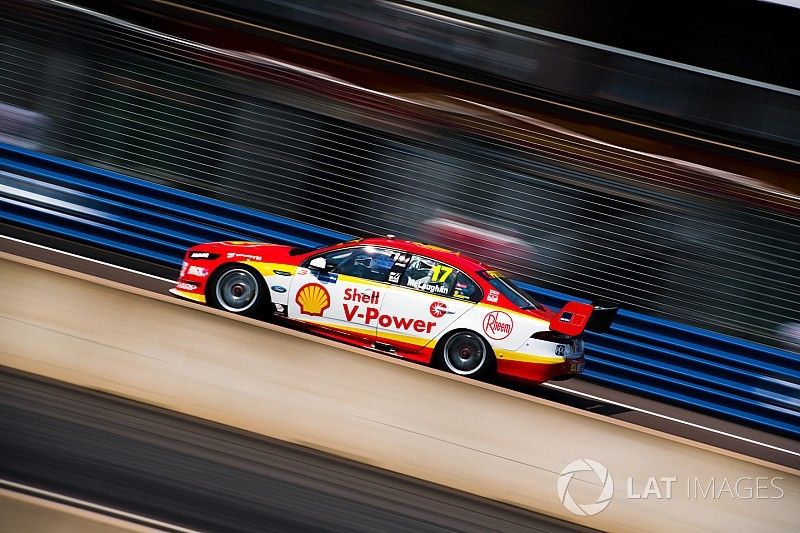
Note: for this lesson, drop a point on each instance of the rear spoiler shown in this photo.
(575, 317)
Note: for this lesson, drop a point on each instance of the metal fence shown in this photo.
(666, 239)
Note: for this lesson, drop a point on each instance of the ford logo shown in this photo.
(278, 288)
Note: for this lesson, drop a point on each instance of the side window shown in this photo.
(368, 262)
(429, 276)
(336, 257)
(466, 289)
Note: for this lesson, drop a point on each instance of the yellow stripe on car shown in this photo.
(511, 355)
(189, 295)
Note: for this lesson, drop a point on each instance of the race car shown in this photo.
(412, 300)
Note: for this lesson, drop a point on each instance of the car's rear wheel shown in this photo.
(466, 353)
(238, 289)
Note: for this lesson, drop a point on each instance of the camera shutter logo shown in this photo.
(585, 465)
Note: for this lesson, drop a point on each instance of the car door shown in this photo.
(428, 297)
(347, 296)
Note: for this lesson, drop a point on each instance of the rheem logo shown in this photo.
(497, 325)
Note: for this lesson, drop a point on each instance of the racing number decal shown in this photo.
(440, 273)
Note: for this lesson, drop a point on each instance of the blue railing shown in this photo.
(689, 366)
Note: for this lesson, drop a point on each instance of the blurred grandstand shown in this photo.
(218, 105)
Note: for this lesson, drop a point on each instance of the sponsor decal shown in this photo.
(497, 325)
(313, 299)
(560, 350)
(438, 309)
(200, 272)
(394, 277)
(302, 271)
(372, 315)
(573, 318)
(202, 255)
(327, 277)
(278, 288)
(352, 295)
(246, 257)
(183, 286)
(184, 266)
(492, 296)
(282, 273)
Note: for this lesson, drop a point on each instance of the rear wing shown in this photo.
(575, 317)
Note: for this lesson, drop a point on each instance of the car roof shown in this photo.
(452, 258)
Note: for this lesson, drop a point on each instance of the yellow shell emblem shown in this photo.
(313, 299)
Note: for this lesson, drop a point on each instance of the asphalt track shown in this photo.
(582, 394)
(200, 475)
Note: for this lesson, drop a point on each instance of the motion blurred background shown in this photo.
(583, 146)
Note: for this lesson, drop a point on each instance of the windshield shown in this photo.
(510, 290)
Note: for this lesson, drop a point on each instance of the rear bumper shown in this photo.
(528, 372)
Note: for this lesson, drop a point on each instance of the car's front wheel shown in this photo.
(466, 353)
(238, 289)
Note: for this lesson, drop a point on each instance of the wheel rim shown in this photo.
(464, 353)
(237, 290)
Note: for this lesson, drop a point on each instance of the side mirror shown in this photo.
(318, 263)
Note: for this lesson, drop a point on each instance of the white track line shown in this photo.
(88, 259)
(672, 419)
(552, 386)
(107, 511)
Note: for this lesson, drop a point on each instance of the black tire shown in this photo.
(238, 289)
(465, 353)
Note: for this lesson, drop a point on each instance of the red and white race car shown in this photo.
(412, 300)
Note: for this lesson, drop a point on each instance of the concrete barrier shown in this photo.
(381, 411)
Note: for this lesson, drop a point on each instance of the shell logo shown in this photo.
(313, 299)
